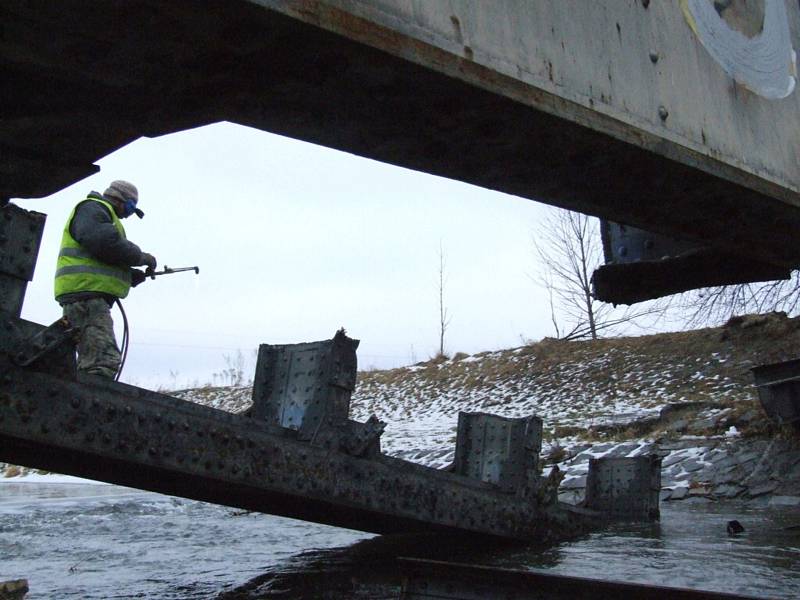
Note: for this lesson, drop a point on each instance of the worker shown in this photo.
(94, 270)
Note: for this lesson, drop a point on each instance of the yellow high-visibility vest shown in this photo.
(78, 271)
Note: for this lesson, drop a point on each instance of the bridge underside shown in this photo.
(82, 82)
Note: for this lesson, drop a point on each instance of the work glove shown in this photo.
(137, 277)
(149, 261)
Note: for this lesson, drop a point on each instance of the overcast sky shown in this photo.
(295, 241)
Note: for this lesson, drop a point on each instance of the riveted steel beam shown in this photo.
(642, 265)
(129, 436)
(625, 487)
(499, 450)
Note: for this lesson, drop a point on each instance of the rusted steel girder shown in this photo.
(128, 436)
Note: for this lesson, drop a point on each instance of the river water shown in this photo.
(101, 541)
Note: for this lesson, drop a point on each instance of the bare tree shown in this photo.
(712, 306)
(444, 318)
(233, 373)
(569, 250)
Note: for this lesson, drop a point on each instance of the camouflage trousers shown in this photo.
(97, 347)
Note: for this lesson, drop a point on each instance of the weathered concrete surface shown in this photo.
(612, 108)
(642, 64)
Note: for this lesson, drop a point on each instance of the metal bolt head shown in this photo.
(654, 57)
(663, 113)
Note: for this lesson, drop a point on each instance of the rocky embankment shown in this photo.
(687, 396)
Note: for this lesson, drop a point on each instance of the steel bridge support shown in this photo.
(294, 453)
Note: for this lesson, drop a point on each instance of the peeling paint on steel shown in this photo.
(760, 56)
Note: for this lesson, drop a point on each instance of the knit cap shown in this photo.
(122, 190)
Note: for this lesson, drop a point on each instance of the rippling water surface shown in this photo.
(99, 541)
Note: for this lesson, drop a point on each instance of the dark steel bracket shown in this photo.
(641, 265)
(306, 388)
(625, 488)
(20, 236)
(47, 340)
(778, 386)
(499, 450)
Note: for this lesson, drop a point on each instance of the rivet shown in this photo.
(106, 438)
(663, 113)
(89, 437)
(645, 3)
(152, 451)
(653, 57)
